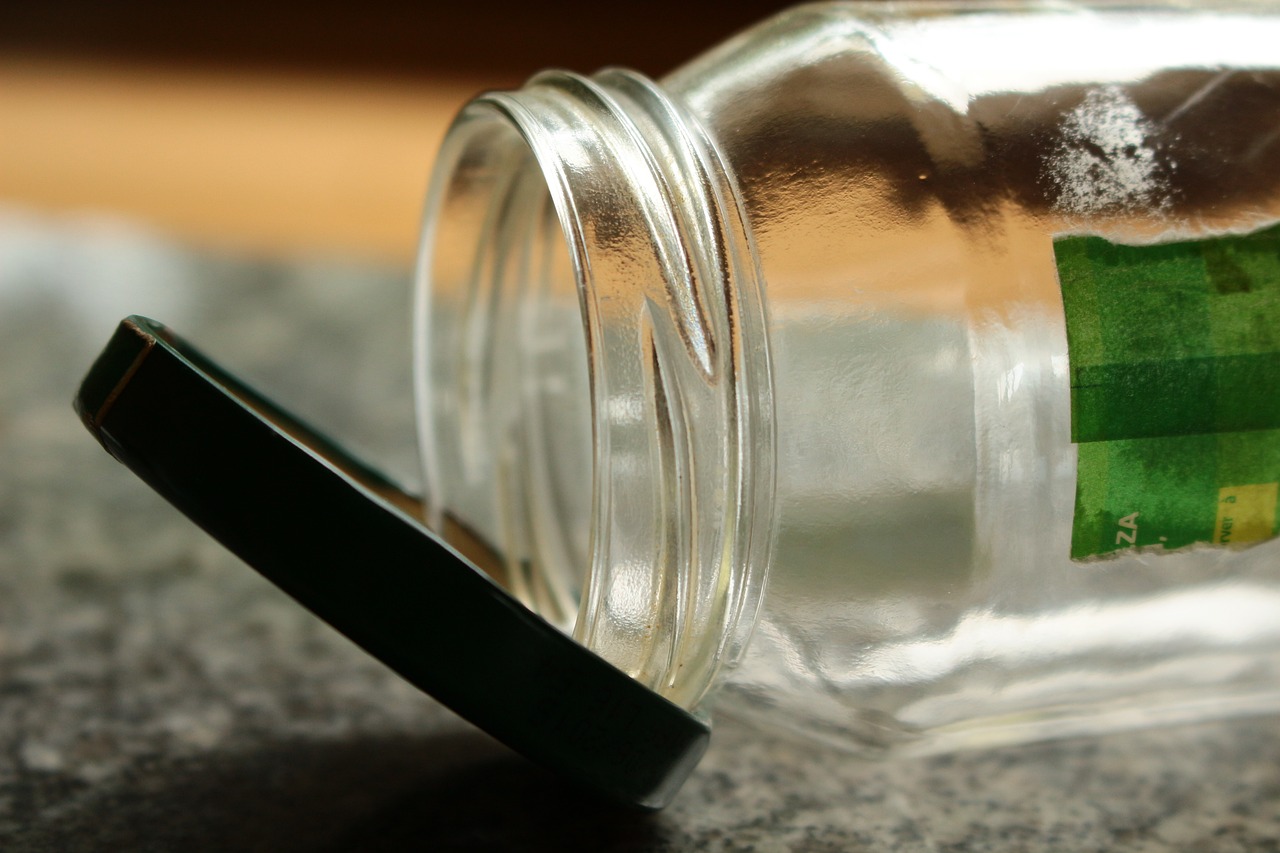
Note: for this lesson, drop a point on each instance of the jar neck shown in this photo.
(585, 249)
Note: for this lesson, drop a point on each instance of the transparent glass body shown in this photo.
(756, 379)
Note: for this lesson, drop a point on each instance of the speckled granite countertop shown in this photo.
(157, 695)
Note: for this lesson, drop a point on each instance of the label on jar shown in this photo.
(1175, 390)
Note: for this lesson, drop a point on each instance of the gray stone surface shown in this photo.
(155, 694)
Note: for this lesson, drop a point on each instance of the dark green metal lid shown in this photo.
(342, 540)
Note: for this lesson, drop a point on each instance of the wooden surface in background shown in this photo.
(254, 160)
(284, 125)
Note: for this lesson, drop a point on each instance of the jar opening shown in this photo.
(514, 463)
(593, 379)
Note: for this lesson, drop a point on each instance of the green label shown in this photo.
(1175, 390)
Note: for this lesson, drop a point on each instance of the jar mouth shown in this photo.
(504, 411)
(593, 377)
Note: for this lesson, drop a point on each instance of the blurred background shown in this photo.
(289, 125)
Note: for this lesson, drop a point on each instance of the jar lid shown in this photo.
(343, 540)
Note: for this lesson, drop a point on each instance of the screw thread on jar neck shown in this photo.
(584, 241)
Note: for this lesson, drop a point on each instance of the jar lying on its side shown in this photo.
(905, 374)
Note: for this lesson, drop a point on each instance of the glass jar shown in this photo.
(870, 372)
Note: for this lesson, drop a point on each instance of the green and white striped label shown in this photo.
(1175, 390)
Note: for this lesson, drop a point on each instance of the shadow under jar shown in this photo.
(904, 375)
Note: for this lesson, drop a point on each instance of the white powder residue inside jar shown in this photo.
(1106, 160)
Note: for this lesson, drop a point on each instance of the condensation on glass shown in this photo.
(757, 377)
